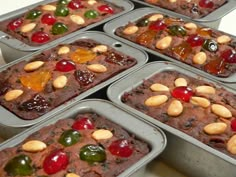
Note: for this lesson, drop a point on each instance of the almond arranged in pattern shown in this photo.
(34, 146)
(49, 7)
(92, 2)
(200, 58)
(28, 27)
(223, 39)
(156, 100)
(205, 89)
(60, 82)
(175, 108)
(159, 87)
(215, 128)
(102, 134)
(164, 43)
(98, 68)
(155, 17)
(100, 48)
(72, 175)
(130, 30)
(13, 94)
(190, 25)
(221, 111)
(32, 66)
(200, 101)
(63, 50)
(180, 82)
(77, 19)
(231, 145)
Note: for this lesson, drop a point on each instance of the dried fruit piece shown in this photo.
(59, 28)
(82, 55)
(229, 56)
(210, 45)
(84, 77)
(62, 11)
(183, 93)
(105, 8)
(91, 14)
(69, 137)
(65, 65)
(48, 19)
(40, 37)
(13, 25)
(83, 124)
(92, 153)
(121, 148)
(146, 37)
(33, 14)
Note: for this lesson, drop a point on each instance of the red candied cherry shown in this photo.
(106, 9)
(65, 65)
(40, 37)
(233, 124)
(158, 25)
(206, 3)
(48, 19)
(55, 162)
(13, 25)
(75, 4)
(121, 148)
(195, 40)
(82, 124)
(229, 56)
(183, 93)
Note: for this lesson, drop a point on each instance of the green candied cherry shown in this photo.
(63, 2)
(177, 30)
(210, 45)
(69, 137)
(33, 14)
(142, 22)
(19, 166)
(92, 153)
(59, 28)
(91, 14)
(62, 11)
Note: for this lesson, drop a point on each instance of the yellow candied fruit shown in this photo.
(36, 80)
(82, 55)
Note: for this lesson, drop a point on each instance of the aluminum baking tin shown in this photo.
(184, 152)
(111, 27)
(217, 14)
(144, 131)
(16, 44)
(11, 120)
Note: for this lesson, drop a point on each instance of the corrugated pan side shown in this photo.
(152, 135)
(11, 120)
(183, 151)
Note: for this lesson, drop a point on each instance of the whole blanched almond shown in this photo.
(130, 30)
(156, 100)
(231, 145)
(223, 39)
(215, 128)
(164, 43)
(190, 25)
(34, 146)
(13, 94)
(175, 108)
(172, 1)
(77, 19)
(159, 87)
(72, 175)
(206, 89)
(28, 27)
(155, 17)
(97, 68)
(92, 2)
(63, 50)
(32, 66)
(221, 111)
(200, 101)
(100, 48)
(180, 82)
(49, 7)
(102, 134)
(200, 58)
(60, 82)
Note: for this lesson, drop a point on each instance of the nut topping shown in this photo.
(156, 100)
(155, 17)
(77, 19)
(32, 66)
(200, 58)
(175, 108)
(223, 39)
(63, 50)
(60, 82)
(231, 145)
(92, 2)
(49, 7)
(190, 25)
(28, 27)
(159, 87)
(203, 102)
(100, 48)
(130, 30)
(97, 68)
(72, 175)
(164, 43)
(34, 146)
(102, 134)
(215, 128)
(221, 111)
(205, 89)
(13, 94)
(180, 82)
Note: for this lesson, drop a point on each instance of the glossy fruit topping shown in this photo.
(69, 137)
(210, 45)
(204, 32)
(59, 28)
(82, 55)
(13, 25)
(158, 25)
(106, 9)
(64, 2)
(48, 19)
(36, 80)
(84, 77)
(142, 22)
(75, 4)
(33, 14)
(37, 103)
(206, 3)
(121, 148)
(92, 153)
(215, 66)
(91, 14)
(177, 30)
(182, 50)
(55, 162)
(4, 87)
(182, 93)
(195, 40)
(83, 124)
(40, 37)
(62, 11)
(65, 65)
(19, 166)
(233, 124)
(229, 56)
(116, 58)
(146, 37)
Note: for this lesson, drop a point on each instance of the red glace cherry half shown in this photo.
(121, 148)
(48, 19)
(83, 124)
(233, 124)
(206, 3)
(13, 25)
(229, 56)
(65, 65)
(158, 25)
(182, 93)
(106, 9)
(195, 40)
(75, 4)
(40, 37)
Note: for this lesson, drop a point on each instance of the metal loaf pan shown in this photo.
(16, 44)
(217, 14)
(146, 132)
(111, 27)
(183, 152)
(12, 121)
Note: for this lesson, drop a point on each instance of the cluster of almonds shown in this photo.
(61, 81)
(165, 42)
(176, 108)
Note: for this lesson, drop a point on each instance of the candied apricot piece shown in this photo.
(146, 37)
(182, 50)
(82, 55)
(216, 66)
